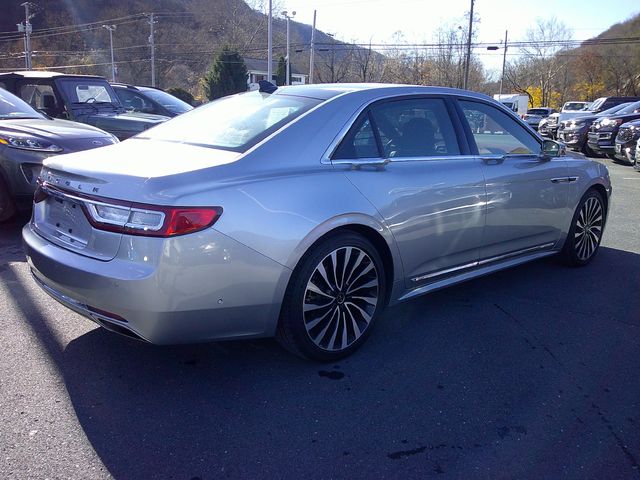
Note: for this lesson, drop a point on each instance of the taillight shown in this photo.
(151, 221)
(136, 218)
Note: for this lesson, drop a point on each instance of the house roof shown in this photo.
(260, 65)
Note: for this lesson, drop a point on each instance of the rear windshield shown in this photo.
(233, 123)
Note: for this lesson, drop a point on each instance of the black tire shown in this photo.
(321, 318)
(7, 205)
(585, 234)
(589, 152)
(612, 156)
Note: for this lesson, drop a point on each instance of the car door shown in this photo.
(409, 157)
(527, 192)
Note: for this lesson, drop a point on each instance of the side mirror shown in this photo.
(551, 148)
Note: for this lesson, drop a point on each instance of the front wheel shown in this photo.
(333, 299)
(587, 227)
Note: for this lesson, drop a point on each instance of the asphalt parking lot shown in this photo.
(532, 373)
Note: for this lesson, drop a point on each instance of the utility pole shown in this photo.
(313, 46)
(288, 17)
(270, 45)
(152, 42)
(111, 28)
(504, 59)
(468, 60)
(27, 29)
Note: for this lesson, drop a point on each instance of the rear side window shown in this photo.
(39, 96)
(360, 142)
(495, 132)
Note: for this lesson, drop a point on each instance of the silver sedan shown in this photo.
(302, 213)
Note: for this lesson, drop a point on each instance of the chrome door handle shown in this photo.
(493, 160)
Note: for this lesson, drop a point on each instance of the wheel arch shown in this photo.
(371, 229)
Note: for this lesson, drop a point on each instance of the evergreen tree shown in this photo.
(281, 72)
(226, 76)
(182, 94)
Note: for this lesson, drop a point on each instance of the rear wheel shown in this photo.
(333, 299)
(7, 205)
(587, 227)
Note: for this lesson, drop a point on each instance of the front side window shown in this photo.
(495, 132)
(134, 102)
(233, 123)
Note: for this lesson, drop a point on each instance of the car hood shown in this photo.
(54, 130)
(134, 168)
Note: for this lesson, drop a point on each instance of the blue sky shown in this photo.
(377, 20)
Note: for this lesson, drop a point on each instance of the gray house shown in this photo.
(257, 70)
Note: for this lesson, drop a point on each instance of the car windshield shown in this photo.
(630, 108)
(171, 103)
(575, 105)
(612, 110)
(537, 111)
(233, 123)
(88, 90)
(13, 107)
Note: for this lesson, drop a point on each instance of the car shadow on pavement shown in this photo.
(490, 376)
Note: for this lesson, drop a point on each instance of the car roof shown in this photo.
(43, 74)
(324, 91)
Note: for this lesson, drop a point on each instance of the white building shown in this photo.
(257, 70)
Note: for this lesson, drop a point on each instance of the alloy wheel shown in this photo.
(340, 298)
(588, 231)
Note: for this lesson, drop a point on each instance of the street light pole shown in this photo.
(152, 42)
(27, 29)
(313, 48)
(269, 45)
(504, 59)
(467, 63)
(111, 28)
(288, 17)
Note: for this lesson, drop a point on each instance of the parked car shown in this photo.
(27, 137)
(534, 115)
(549, 128)
(573, 132)
(304, 212)
(149, 100)
(626, 141)
(81, 98)
(602, 133)
(636, 165)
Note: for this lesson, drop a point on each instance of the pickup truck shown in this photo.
(82, 98)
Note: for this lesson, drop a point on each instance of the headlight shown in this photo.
(29, 143)
(609, 122)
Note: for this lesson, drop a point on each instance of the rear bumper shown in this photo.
(193, 288)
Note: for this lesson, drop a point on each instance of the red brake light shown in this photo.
(179, 221)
